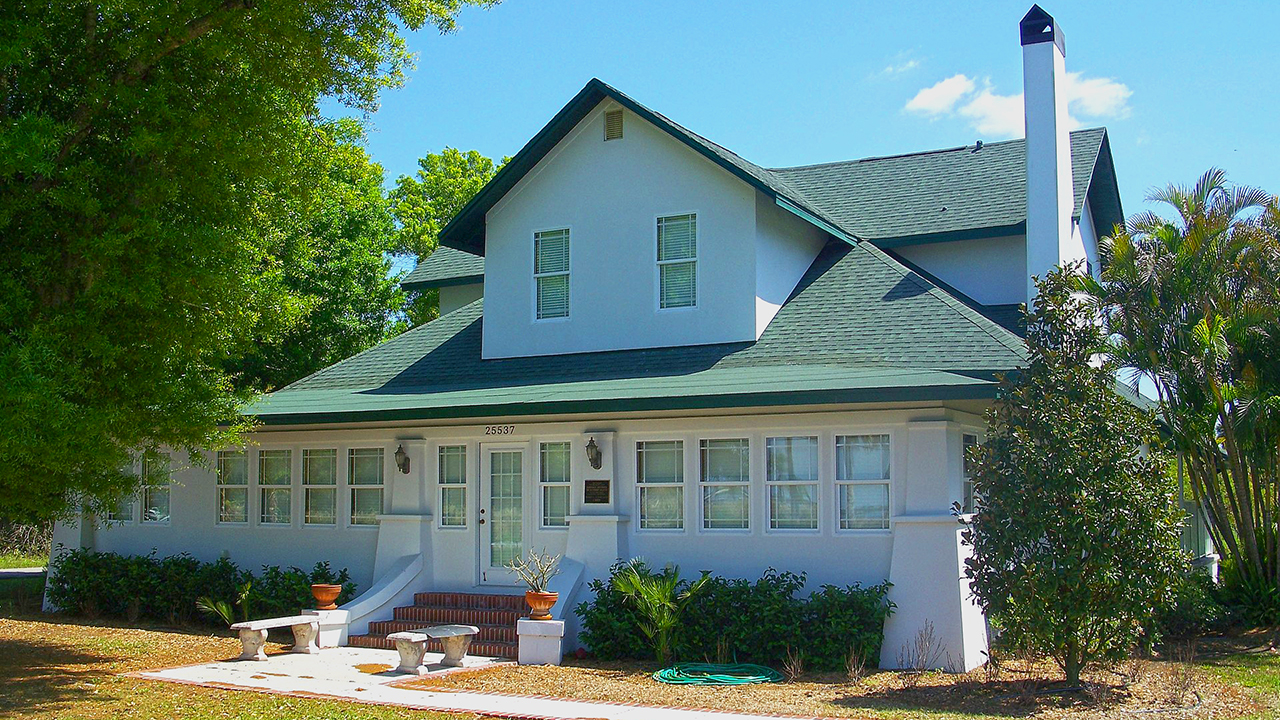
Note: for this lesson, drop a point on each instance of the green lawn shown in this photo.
(1259, 671)
(22, 561)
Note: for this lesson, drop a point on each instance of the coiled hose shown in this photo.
(714, 674)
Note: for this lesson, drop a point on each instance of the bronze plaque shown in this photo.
(595, 492)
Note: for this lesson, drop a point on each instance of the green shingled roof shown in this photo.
(890, 200)
(949, 194)
(860, 327)
(443, 267)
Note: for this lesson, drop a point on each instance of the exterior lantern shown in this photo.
(402, 460)
(593, 454)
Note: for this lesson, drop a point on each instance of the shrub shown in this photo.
(744, 621)
(1193, 610)
(85, 582)
(1251, 602)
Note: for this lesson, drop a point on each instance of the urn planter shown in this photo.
(540, 604)
(326, 595)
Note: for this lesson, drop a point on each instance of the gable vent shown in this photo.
(613, 125)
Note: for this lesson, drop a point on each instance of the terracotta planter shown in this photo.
(540, 604)
(325, 596)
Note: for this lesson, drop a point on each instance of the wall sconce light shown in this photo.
(594, 456)
(402, 460)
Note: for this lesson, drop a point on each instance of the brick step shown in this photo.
(479, 601)
(436, 615)
(488, 633)
(485, 649)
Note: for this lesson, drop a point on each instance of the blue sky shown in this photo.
(1181, 86)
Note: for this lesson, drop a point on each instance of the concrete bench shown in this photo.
(253, 635)
(412, 645)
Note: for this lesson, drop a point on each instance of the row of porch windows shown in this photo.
(792, 482)
(319, 486)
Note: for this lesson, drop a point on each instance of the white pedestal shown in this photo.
(540, 641)
(333, 626)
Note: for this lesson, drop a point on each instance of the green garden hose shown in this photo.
(714, 674)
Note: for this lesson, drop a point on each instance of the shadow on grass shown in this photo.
(38, 675)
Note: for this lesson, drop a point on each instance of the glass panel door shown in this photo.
(502, 528)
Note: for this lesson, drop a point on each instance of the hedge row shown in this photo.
(742, 621)
(133, 587)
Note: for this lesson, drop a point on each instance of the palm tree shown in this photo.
(1192, 304)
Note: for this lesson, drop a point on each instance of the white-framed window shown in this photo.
(233, 486)
(678, 261)
(970, 441)
(453, 486)
(275, 486)
(660, 484)
(791, 474)
(725, 479)
(365, 468)
(320, 486)
(551, 273)
(553, 476)
(157, 475)
(122, 512)
(862, 481)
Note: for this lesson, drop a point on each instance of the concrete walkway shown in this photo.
(348, 673)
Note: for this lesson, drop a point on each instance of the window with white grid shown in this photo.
(320, 486)
(791, 474)
(660, 484)
(364, 479)
(554, 479)
(275, 486)
(678, 261)
(157, 475)
(862, 481)
(233, 486)
(725, 479)
(453, 486)
(551, 272)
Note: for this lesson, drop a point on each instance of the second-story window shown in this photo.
(678, 261)
(551, 272)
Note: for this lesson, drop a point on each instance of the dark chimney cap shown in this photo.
(1039, 26)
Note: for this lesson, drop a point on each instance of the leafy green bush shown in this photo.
(1251, 602)
(1193, 610)
(744, 621)
(133, 587)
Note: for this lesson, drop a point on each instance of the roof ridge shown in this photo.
(919, 153)
(996, 331)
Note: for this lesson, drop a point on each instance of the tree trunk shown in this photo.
(1072, 662)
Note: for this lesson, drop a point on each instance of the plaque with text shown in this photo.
(595, 492)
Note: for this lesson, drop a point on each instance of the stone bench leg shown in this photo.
(455, 649)
(253, 644)
(305, 636)
(411, 652)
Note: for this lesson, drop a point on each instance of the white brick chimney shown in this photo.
(1050, 199)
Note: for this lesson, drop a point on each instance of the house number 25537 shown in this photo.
(499, 429)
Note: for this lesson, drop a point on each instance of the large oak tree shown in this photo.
(149, 154)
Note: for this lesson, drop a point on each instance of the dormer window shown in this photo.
(678, 261)
(551, 273)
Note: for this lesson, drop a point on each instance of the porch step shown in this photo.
(494, 614)
(486, 649)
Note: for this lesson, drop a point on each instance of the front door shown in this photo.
(501, 512)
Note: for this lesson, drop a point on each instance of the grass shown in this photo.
(52, 667)
(1251, 661)
(19, 560)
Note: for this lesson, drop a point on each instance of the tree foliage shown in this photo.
(1193, 303)
(425, 202)
(336, 264)
(148, 151)
(1076, 536)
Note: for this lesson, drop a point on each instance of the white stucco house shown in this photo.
(649, 346)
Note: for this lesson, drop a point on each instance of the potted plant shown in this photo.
(536, 570)
(326, 595)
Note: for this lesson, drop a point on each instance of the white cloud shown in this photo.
(1001, 116)
(942, 97)
(899, 68)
